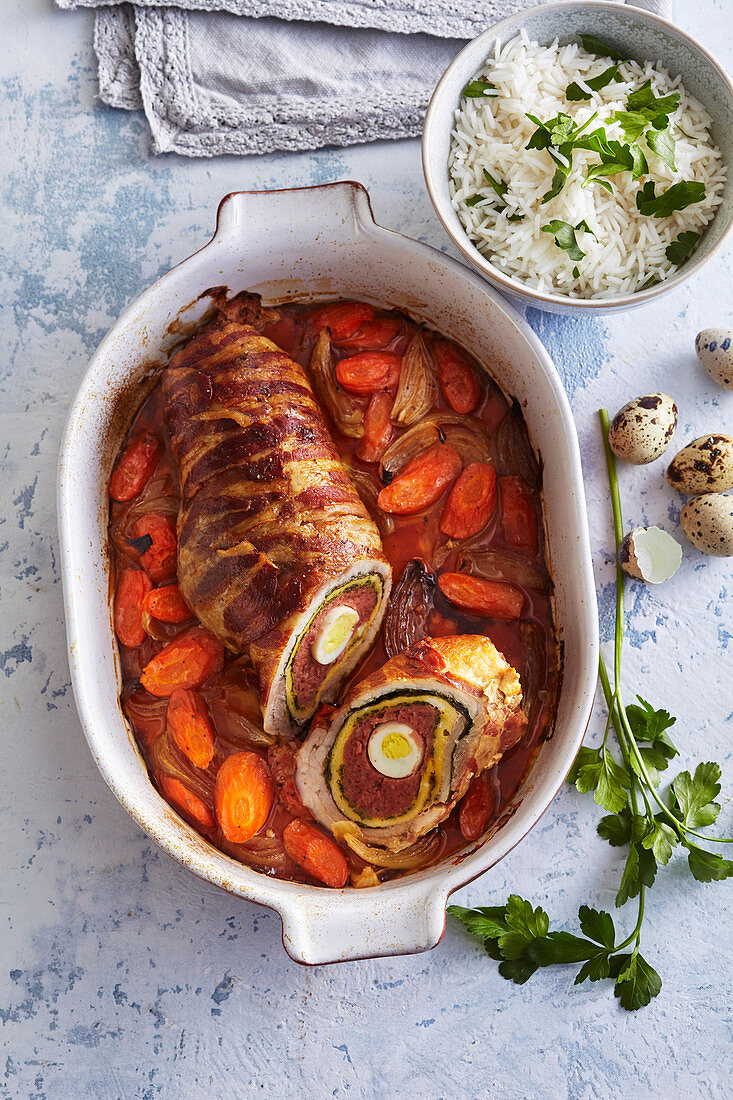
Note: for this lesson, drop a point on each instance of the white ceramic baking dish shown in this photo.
(318, 243)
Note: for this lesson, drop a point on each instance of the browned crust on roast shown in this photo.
(268, 513)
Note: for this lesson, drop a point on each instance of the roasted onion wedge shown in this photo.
(468, 436)
(346, 413)
(417, 391)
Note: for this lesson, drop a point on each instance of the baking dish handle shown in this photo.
(392, 919)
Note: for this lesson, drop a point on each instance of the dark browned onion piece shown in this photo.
(513, 453)
(346, 413)
(167, 759)
(410, 604)
(264, 851)
(496, 565)
(367, 486)
(468, 436)
(539, 685)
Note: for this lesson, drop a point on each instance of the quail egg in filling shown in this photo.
(391, 758)
(329, 638)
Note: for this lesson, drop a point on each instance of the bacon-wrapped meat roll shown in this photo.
(395, 759)
(277, 555)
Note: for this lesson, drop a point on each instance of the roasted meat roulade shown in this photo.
(277, 555)
(394, 760)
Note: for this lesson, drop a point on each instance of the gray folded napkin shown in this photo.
(255, 76)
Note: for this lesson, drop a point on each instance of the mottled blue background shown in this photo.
(121, 975)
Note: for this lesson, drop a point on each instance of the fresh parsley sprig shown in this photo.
(565, 238)
(639, 818)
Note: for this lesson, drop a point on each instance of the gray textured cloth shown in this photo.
(225, 76)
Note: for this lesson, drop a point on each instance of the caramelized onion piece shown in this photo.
(346, 413)
(234, 708)
(417, 391)
(495, 565)
(539, 684)
(167, 759)
(409, 607)
(360, 880)
(265, 852)
(417, 855)
(367, 486)
(468, 436)
(513, 451)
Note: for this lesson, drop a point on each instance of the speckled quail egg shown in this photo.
(714, 347)
(708, 523)
(641, 431)
(703, 466)
(650, 554)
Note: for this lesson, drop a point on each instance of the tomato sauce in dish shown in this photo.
(461, 526)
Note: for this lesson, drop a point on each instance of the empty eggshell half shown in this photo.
(650, 554)
(642, 430)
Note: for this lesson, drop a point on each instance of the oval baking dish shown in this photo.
(318, 243)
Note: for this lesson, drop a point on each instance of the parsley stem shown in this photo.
(626, 739)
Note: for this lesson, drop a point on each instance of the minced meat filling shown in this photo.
(307, 673)
(375, 795)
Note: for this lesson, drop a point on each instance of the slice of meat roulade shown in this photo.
(277, 555)
(394, 760)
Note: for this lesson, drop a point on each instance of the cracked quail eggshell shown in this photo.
(642, 430)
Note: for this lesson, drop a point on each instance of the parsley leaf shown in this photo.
(484, 923)
(597, 925)
(693, 796)
(660, 841)
(564, 235)
(574, 92)
(474, 199)
(499, 186)
(678, 251)
(650, 725)
(576, 271)
(645, 102)
(595, 45)
(599, 772)
(478, 89)
(515, 217)
(640, 868)
(661, 142)
(707, 866)
(636, 981)
(633, 123)
(676, 197)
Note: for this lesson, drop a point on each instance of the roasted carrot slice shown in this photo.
(135, 467)
(518, 514)
(422, 481)
(492, 599)
(190, 726)
(316, 853)
(369, 371)
(159, 559)
(281, 762)
(167, 605)
(132, 589)
(373, 335)
(378, 430)
(457, 380)
(186, 801)
(476, 807)
(471, 502)
(186, 662)
(243, 796)
(342, 318)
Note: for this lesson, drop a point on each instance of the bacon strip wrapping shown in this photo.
(277, 555)
(393, 761)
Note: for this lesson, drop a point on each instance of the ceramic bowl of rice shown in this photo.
(579, 155)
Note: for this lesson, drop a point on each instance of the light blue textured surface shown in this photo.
(121, 975)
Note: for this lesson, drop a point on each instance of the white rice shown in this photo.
(492, 132)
